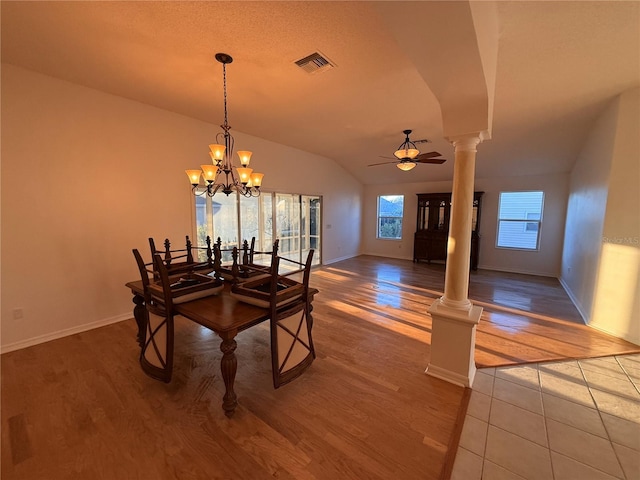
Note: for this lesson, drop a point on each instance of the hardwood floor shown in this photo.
(80, 407)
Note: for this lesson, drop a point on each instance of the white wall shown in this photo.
(88, 176)
(545, 261)
(589, 183)
(606, 250)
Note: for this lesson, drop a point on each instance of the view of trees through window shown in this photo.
(390, 210)
(293, 219)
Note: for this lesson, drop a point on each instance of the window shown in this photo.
(390, 210)
(293, 219)
(519, 219)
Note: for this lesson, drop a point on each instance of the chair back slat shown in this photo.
(181, 260)
(292, 349)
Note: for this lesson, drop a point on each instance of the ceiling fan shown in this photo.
(408, 155)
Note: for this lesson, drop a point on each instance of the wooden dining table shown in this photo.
(224, 315)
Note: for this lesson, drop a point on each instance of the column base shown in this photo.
(449, 376)
(453, 339)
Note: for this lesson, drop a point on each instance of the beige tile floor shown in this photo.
(570, 420)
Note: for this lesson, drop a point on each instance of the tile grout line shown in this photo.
(602, 419)
(486, 437)
(544, 418)
(627, 374)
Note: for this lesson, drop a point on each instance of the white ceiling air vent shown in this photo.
(314, 63)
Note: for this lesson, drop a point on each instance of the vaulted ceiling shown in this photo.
(533, 74)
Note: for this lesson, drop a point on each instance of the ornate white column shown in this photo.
(454, 317)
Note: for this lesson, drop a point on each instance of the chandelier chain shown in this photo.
(224, 85)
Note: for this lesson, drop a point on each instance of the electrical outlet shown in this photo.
(17, 313)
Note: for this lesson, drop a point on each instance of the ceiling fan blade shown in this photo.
(390, 158)
(429, 155)
(383, 163)
(435, 161)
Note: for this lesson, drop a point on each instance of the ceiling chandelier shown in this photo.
(406, 152)
(222, 175)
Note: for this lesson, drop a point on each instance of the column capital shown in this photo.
(468, 142)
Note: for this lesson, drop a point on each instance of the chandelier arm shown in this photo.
(235, 179)
(195, 191)
(230, 148)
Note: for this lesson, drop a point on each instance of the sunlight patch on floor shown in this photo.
(380, 320)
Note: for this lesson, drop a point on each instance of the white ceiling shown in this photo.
(397, 63)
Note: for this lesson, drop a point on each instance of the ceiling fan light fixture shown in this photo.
(407, 149)
(407, 153)
(405, 166)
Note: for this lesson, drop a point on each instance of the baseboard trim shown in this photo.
(395, 257)
(339, 259)
(514, 270)
(63, 333)
(574, 300)
(615, 333)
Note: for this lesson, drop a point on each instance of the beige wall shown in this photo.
(88, 176)
(586, 208)
(601, 259)
(545, 261)
(616, 306)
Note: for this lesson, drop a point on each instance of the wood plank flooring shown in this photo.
(80, 407)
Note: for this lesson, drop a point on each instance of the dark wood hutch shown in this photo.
(432, 227)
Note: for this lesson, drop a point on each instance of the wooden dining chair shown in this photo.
(162, 290)
(140, 310)
(289, 306)
(292, 349)
(156, 354)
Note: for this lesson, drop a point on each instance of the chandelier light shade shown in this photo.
(407, 150)
(405, 165)
(194, 176)
(245, 157)
(221, 174)
(406, 153)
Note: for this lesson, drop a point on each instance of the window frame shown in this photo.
(317, 260)
(379, 217)
(526, 222)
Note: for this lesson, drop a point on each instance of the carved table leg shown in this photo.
(229, 366)
(140, 314)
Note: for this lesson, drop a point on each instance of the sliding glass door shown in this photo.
(293, 219)
(310, 227)
(288, 225)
